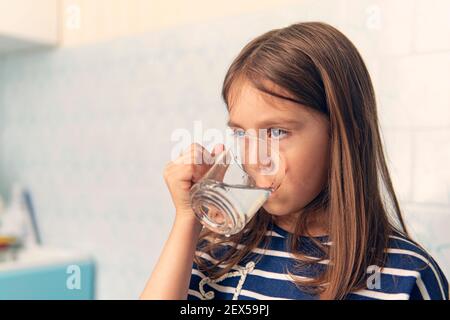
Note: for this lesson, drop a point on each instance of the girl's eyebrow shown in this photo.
(268, 122)
(230, 123)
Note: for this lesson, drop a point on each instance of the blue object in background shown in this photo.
(48, 280)
(29, 203)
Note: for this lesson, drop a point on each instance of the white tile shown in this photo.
(416, 92)
(396, 31)
(398, 149)
(431, 181)
(432, 26)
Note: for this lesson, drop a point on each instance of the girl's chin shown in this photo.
(275, 208)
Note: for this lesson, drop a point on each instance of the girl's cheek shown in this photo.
(303, 178)
(305, 169)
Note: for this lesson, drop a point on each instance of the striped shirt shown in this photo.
(409, 273)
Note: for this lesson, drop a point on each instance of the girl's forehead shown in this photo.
(244, 89)
(249, 99)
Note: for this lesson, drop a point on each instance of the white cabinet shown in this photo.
(28, 23)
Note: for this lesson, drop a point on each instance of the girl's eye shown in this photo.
(238, 133)
(276, 133)
(273, 133)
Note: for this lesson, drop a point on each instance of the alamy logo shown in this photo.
(374, 279)
(73, 281)
(73, 17)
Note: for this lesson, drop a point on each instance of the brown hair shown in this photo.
(320, 68)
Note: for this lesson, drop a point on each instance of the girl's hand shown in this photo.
(186, 170)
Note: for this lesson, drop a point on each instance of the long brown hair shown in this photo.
(320, 68)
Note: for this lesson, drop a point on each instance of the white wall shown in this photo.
(87, 21)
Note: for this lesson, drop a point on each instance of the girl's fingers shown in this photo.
(194, 162)
(218, 148)
(197, 154)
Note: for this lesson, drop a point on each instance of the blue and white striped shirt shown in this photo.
(409, 273)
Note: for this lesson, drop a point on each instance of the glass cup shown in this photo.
(237, 185)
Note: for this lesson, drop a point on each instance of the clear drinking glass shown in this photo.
(239, 182)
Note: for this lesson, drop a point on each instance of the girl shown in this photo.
(333, 230)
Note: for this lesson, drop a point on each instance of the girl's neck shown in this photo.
(316, 225)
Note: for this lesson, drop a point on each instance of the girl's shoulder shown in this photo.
(409, 263)
(402, 251)
(409, 272)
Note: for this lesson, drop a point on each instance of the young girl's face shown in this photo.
(303, 143)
